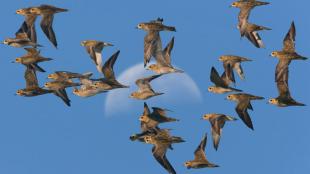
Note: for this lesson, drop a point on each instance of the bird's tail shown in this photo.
(230, 118)
(159, 93)
(299, 57)
(264, 28)
(236, 90)
(178, 71)
(177, 139)
(257, 98)
(169, 28)
(36, 67)
(299, 104)
(87, 75)
(259, 3)
(58, 10)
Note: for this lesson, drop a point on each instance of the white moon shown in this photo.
(179, 89)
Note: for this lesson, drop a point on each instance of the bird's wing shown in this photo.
(107, 68)
(97, 53)
(167, 51)
(152, 43)
(92, 53)
(159, 111)
(282, 70)
(216, 79)
(23, 29)
(243, 19)
(200, 150)
(47, 27)
(216, 138)
(228, 73)
(144, 83)
(289, 40)
(237, 67)
(31, 32)
(255, 39)
(159, 153)
(32, 52)
(61, 93)
(146, 110)
(31, 77)
(283, 89)
(241, 109)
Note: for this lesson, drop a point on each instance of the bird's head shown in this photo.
(141, 26)
(6, 41)
(211, 88)
(148, 139)
(143, 118)
(235, 4)
(18, 60)
(47, 84)
(188, 164)
(52, 76)
(273, 101)
(152, 67)
(20, 92)
(206, 116)
(231, 97)
(274, 54)
(133, 95)
(75, 91)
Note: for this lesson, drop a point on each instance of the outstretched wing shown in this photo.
(216, 79)
(200, 150)
(167, 51)
(107, 68)
(47, 27)
(144, 84)
(31, 77)
(289, 40)
(241, 109)
(159, 153)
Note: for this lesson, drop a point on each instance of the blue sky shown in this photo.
(42, 135)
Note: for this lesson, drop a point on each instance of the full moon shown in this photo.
(179, 89)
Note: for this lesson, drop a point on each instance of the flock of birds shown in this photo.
(151, 133)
